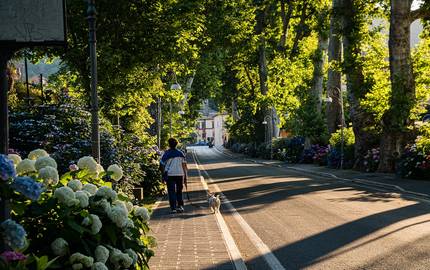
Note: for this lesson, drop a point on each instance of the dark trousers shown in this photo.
(174, 189)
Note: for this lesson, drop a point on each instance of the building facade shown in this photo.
(211, 126)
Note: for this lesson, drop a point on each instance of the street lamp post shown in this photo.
(174, 86)
(95, 134)
(268, 127)
(342, 124)
(159, 122)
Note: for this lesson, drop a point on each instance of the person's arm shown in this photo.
(185, 168)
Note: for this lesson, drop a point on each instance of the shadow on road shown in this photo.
(323, 245)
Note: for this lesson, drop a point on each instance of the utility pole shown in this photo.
(95, 134)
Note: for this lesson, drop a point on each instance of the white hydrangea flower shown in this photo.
(43, 162)
(77, 266)
(119, 259)
(132, 254)
(90, 188)
(129, 206)
(88, 163)
(49, 175)
(75, 184)
(107, 193)
(100, 168)
(77, 258)
(103, 204)
(142, 212)
(116, 171)
(66, 196)
(60, 247)
(101, 254)
(99, 266)
(35, 154)
(26, 166)
(122, 204)
(83, 198)
(97, 224)
(119, 215)
(94, 221)
(15, 158)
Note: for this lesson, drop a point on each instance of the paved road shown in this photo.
(310, 222)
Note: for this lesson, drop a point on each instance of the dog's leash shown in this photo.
(188, 197)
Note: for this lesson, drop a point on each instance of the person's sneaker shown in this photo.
(173, 211)
(180, 209)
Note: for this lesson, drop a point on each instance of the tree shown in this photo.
(356, 18)
(334, 80)
(397, 118)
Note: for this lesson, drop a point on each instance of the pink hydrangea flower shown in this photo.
(73, 167)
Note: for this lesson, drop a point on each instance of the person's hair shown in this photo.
(172, 143)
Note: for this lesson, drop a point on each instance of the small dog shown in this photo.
(214, 202)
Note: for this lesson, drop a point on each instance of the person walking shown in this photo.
(175, 174)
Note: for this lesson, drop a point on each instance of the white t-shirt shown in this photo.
(174, 166)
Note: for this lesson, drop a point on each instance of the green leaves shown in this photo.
(43, 262)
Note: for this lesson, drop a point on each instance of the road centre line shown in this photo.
(262, 248)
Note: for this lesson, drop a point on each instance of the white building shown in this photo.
(211, 126)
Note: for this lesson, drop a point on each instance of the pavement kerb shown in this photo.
(330, 175)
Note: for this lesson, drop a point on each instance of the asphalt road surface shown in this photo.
(311, 222)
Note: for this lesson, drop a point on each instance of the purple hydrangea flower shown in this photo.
(13, 234)
(7, 169)
(11, 256)
(27, 187)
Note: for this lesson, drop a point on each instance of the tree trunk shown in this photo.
(396, 119)
(262, 64)
(318, 74)
(334, 113)
(357, 90)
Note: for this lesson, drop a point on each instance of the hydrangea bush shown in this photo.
(77, 220)
(64, 130)
(371, 160)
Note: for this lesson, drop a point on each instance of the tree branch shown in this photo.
(286, 16)
(420, 13)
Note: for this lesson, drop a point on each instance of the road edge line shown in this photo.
(352, 181)
(262, 248)
(233, 250)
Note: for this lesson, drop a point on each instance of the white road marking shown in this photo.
(262, 248)
(232, 248)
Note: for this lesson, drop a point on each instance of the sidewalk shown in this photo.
(389, 181)
(189, 240)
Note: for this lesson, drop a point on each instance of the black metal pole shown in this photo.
(41, 85)
(159, 123)
(26, 79)
(5, 55)
(95, 135)
(170, 116)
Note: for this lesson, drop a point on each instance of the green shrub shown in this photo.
(335, 141)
